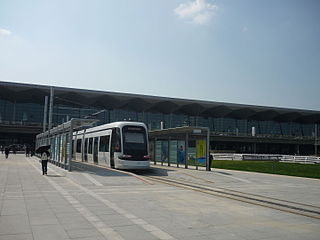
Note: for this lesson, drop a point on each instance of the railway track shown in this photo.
(301, 209)
(205, 186)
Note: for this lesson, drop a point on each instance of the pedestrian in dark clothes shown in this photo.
(44, 162)
(27, 151)
(6, 151)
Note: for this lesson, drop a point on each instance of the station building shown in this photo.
(234, 128)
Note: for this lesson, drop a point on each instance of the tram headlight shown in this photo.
(125, 156)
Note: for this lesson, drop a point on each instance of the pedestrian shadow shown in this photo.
(54, 175)
(224, 173)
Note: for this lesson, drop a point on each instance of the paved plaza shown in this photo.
(98, 203)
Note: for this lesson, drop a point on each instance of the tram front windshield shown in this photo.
(135, 142)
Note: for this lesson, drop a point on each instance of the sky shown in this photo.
(248, 52)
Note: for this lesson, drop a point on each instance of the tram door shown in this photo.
(85, 150)
(113, 146)
(104, 154)
(95, 150)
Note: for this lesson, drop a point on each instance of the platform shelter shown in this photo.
(181, 146)
(60, 141)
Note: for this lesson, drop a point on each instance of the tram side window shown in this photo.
(78, 146)
(116, 140)
(86, 145)
(90, 145)
(104, 144)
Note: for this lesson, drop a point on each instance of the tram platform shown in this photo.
(99, 203)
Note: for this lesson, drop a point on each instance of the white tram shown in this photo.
(121, 145)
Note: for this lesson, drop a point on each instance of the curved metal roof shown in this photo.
(111, 100)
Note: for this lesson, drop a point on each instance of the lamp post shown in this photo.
(315, 139)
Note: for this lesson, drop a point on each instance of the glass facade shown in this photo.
(31, 113)
(23, 114)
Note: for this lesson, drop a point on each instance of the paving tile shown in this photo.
(36, 212)
(70, 217)
(49, 232)
(134, 232)
(14, 224)
(101, 210)
(39, 207)
(90, 238)
(16, 237)
(43, 219)
(115, 220)
(84, 233)
(76, 225)
(13, 207)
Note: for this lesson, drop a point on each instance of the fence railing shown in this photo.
(266, 157)
(275, 136)
(301, 159)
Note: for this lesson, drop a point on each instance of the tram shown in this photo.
(120, 145)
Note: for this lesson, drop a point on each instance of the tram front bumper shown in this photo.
(129, 164)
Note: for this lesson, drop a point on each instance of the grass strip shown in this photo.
(290, 169)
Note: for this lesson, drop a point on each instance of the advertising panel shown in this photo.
(201, 151)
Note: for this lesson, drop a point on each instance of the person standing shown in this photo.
(27, 151)
(181, 155)
(32, 151)
(6, 151)
(44, 162)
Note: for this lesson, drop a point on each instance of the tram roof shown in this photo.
(21, 92)
(111, 125)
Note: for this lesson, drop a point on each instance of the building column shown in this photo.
(45, 113)
(50, 108)
(14, 111)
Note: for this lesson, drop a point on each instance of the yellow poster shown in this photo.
(201, 150)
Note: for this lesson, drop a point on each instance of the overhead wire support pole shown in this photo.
(186, 151)
(70, 146)
(208, 162)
